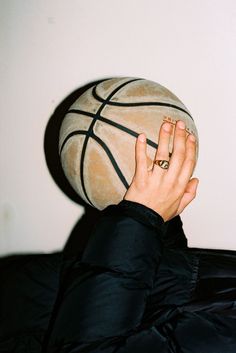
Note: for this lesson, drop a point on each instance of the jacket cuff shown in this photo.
(139, 212)
(170, 232)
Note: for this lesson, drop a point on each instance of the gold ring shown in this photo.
(162, 163)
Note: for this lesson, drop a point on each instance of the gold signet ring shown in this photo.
(162, 163)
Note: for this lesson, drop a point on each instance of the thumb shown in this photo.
(189, 194)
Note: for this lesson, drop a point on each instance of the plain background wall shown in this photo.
(49, 48)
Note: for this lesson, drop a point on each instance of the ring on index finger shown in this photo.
(164, 164)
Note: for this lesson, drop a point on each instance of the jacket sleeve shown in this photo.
(102, 299)
(173, 234)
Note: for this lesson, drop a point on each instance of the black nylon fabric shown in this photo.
(137, 287)
(28, 290)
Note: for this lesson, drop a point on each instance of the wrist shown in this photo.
(148, 206)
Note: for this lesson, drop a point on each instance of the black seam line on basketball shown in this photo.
(104, 101)
(107, 100)
(71, 134)
(106, 149)
(109, 122)
(112, 159)
(91, 129)
(138, 104)
(85, 132)
(108, 152)
(82, 112)
(81, 169)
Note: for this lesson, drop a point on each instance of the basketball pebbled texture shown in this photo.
(98, 135)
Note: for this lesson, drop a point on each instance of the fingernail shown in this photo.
(167, 127)
(142, 138)
(181, 124)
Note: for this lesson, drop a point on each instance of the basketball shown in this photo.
(98, 135)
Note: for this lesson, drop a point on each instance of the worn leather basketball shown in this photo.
(99, 131)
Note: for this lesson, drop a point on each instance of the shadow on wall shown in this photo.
(82, 229)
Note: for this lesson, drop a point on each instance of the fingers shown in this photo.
(182, 161)
(141, 171)
(162, 151)
(179, 150)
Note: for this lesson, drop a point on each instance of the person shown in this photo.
(137, 286)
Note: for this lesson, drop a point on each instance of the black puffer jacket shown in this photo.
(137, 287)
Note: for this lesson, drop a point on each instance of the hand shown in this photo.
(166, 191)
